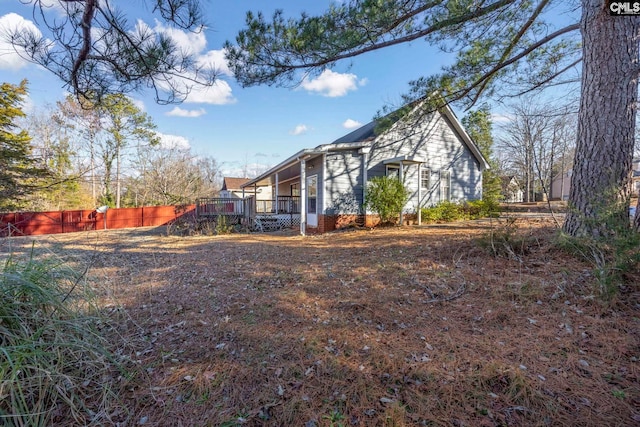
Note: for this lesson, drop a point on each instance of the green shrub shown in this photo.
(485, 208)
(222, 227)
(386, 196)
(444, 211)
(450, 211)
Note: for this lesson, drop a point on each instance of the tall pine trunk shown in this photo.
(601, 179)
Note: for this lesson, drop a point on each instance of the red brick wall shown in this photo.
(328, 223)
(371, 220)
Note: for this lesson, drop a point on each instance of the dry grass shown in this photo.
(391, 327)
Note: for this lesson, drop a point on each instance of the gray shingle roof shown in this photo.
(362, 134)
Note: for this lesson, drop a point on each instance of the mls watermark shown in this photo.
(624, 8)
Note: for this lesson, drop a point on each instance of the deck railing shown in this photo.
(284, 205)
(214, 206)
(249, 207)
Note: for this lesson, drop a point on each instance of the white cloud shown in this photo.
(173, 141)
(138, 103)
(214, 59)
(333, 84)
(299, 130)
(57, 5)
(195, 44)
(501, 118)
(192, 43)
(219, 94)
(12, 23)
(181, 112)
(351, 124)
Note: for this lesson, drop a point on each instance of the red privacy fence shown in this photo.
(31, 223)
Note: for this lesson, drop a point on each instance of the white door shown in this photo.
(312, 201)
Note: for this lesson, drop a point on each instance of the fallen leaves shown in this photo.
(281, 330)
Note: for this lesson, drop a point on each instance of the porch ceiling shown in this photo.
(267, 177)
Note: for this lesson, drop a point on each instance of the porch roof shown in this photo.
(405, 160)
(264, 179)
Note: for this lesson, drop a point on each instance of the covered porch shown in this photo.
(297, 180)
(258, 215)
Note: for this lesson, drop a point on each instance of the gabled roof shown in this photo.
(508, 179)
(368, 133)
(363, 136)
(230, 184)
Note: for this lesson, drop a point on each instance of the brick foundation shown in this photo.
(327, 223)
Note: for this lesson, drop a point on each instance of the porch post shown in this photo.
(401, 177)
(276, 193)
(242, 205)
(365, 170)
(303, 197)
(419, 193)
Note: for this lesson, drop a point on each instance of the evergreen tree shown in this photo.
(478, 125)
(19, 173)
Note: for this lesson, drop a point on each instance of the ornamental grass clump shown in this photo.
(54, 366)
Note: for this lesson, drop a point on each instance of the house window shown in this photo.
(393, 171)
(445, 185)
(312, 193)
(425, 178)
(295, 189)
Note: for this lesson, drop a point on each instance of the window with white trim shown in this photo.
(445, 185)
(312, 194)
(425, 178)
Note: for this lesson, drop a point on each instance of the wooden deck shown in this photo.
(260, 215)
(216, 206)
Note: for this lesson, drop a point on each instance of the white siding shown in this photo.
(435, 141)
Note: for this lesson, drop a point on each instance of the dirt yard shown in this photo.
(470, 324)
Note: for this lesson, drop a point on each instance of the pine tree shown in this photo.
(19, 173)
(479, 126)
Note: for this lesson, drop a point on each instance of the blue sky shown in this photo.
(259, 125)
(262, 125)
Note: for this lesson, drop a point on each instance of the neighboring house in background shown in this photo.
(511, 190)
(561, 184)
(232, 189)
(432, 153)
